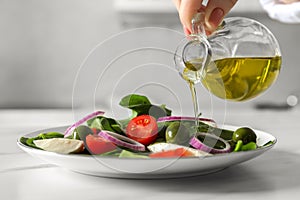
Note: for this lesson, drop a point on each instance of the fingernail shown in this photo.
(186, 31)
(216, 17)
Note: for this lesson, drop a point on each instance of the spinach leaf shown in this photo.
(130, 154)
(80, 133)
(134, 100)
(23, 140)
(29, 142)
(140, 105)
(105, 123)
(41, 136)
(115, 153)
(50, 135)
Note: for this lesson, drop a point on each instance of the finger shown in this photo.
(177, 4)
(188, 8)
(216, 11)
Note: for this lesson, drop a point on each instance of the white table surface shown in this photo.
(273, 175)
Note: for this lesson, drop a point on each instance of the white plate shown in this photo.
(140, 168)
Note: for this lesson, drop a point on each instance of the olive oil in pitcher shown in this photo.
(236, 79)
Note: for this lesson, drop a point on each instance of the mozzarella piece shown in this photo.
(159, 147)
(60, 145)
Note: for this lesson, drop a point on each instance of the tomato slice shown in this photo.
(174, 153)
(98, 145)
(143, 129)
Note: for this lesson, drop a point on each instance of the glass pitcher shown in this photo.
(239, 61)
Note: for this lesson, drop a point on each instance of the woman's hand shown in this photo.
(214, 12)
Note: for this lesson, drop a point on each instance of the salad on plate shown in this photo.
(150, 132)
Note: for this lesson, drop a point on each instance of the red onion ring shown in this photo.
(197, 144)
(177, 118)
(121, 140)
(81, 121)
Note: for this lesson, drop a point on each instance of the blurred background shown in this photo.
(44, 43)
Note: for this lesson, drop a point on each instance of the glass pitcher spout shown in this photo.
(194, 52)
(198, 24)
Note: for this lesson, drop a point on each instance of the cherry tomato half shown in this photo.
(174, 153)
(143, 129)
(98, 145)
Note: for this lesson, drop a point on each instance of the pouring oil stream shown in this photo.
(195, 56)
